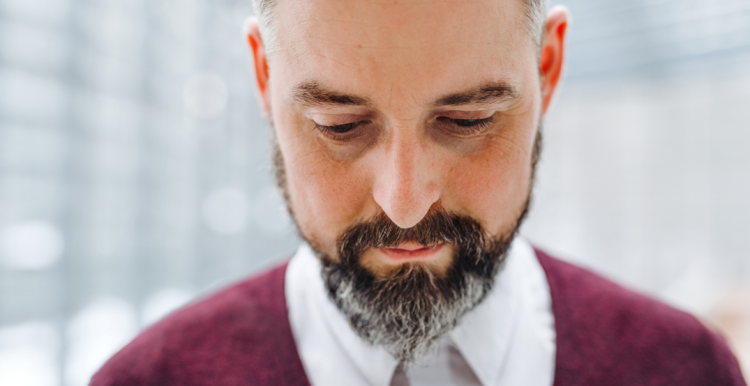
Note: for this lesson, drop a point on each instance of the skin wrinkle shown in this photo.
(387, 47)
(326, 57)
(376, 47)
(390, 94)
(414, 98)
(360, 45)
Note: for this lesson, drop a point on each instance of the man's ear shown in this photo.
(553, 52)
(260, 61)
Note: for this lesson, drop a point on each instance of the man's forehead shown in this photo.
(405, 45)
(403, 22)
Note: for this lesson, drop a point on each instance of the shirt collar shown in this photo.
(482, 337)
(374, 363)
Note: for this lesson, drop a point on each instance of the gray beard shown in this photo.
(409, 330)
(410, 309)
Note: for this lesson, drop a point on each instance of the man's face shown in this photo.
(405, 142)
(401, 107)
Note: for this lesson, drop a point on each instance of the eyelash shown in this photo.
(466, 126)
(338, 132)
(469, 126)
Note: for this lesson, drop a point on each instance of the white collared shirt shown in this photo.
(508, 339)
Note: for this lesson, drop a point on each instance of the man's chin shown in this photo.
(383, 262)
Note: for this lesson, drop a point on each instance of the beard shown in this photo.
(409, 310)
(412, 308)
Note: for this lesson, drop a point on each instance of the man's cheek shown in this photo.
(492, 185)
(330, 195)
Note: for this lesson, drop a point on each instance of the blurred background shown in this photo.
(135, 167)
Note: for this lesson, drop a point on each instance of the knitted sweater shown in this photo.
(606, 335)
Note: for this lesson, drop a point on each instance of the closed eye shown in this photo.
(339, 132)
(466, 126)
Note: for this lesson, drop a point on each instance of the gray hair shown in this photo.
(535, 15)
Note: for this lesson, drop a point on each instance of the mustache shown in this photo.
(438, 226)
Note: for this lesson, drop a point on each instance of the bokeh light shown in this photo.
(225, 211)
(32, 245)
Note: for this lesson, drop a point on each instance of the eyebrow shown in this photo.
(489, 93)
(313, 94)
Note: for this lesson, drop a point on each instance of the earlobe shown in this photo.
(260, 62)
(553, 53)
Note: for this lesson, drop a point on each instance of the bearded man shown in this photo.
(406, 134)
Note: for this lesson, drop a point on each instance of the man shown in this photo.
(406, 137)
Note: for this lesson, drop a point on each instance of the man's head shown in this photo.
(406, 135)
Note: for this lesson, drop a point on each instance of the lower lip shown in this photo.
(416, 254)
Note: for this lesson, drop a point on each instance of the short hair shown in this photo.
(535, 22)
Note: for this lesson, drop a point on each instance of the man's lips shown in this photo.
(411, 251)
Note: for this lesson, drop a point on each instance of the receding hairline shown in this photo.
(535, 21)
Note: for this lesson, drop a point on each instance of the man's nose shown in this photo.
(406, 184)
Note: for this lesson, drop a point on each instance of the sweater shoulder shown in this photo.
(607, 333)
(234, 336)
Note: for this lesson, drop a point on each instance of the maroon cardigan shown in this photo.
(606, 335)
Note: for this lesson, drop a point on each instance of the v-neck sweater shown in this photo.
(605, 335)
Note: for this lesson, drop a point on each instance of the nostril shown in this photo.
(405, 209)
